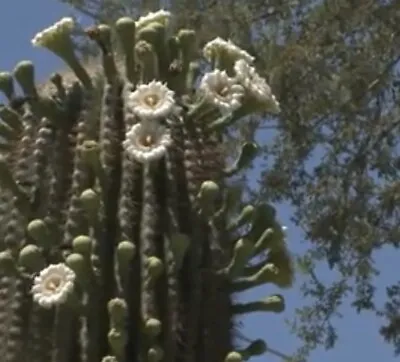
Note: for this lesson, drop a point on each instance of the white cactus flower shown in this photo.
(53, 285)
(222, 91)
(161, 16)
(255, 85)
(47, 36)
(152, 100)
(147, 142)
(221, 46)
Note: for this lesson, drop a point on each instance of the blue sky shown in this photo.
(359, 339)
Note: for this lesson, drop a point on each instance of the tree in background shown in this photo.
(335, 156)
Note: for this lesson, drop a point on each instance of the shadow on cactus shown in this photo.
(117, 244)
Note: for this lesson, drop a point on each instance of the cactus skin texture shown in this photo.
(150, 245)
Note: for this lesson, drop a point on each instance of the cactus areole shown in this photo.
(118, 242)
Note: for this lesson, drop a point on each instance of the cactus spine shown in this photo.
(118, 243)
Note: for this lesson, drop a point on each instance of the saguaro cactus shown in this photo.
(118, 235)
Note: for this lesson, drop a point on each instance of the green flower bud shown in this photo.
(105, 34)
(153, 327)
(57, 80)
(187, 40)
(118, 311)
(90, 152)
(125, 252)
(117, 339)
(31, 258)
(7, 84)
(155, 266)
(247, 154)
(7, 261)
(91, 203)
(234, 357)
(38, 231)
(248, 212)
(82, 244)
(207, 196)
(187, 37)
(209, 190)
(256, 348)
(144, 51)
(125, 28)
(152, 33)
(155, 354)
(24, 73)
(126, 32)
(241, 255)
(78, 264)
(101, 34)
(148, 61)
(109, 359)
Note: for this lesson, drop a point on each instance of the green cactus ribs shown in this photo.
(117, 237)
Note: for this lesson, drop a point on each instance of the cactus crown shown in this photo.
(116, 240)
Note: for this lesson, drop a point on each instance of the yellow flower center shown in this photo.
(53, 284)
(221, 91)
(152, 100)
(147, 141)
(224, 91)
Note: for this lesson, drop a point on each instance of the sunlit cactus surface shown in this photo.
(121, 236)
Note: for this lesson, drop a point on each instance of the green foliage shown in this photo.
(117, 236)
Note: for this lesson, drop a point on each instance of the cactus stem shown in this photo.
(221, 122)
(57, 80)
(244, 217)
(148, 60)
(7, 85)
(7, 181)
(242, 252)
(24, 73)
(80, 72)
(255, 348)
(11, 118)
(179, 244)
(263, 241)
(247, 154)
(273, 303)
(126, 31)
(91, 154)
(7, 133)
(267, 274)
(155, 267)
(155, 354)
(207, 197)
(101, 34)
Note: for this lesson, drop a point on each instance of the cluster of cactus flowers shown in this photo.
(121, 240)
